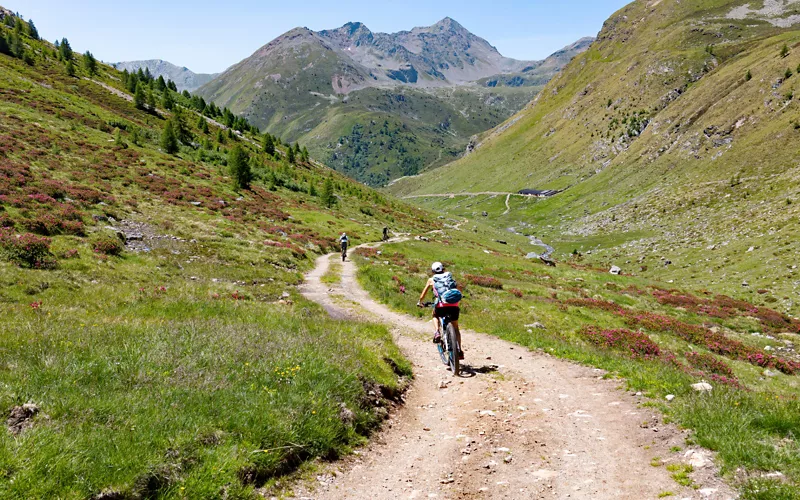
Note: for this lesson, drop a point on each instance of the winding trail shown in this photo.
(518, 424)
(508, 207)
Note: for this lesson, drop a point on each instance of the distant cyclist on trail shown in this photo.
(343, 240)
(385, 233)
(446, 301)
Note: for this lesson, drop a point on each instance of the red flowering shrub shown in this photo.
(107, 244)
(366, 252)
(709, 363)
(516, 292)
(27, 250)
(637, 344)
(71, 254)
(484, 281)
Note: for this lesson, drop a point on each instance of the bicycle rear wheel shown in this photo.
(442, 354)
(454, 349)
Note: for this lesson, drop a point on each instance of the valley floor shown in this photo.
(516, 424)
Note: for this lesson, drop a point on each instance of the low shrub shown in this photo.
(26, 250)
(107, 244)
(516, 292)
(484, 281)
(709, 363)
(637, 344)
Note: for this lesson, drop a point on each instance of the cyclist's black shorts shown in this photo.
(451, 313)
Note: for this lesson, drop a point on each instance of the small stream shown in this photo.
(548, 250)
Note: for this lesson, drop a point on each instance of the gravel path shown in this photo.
(517, 424)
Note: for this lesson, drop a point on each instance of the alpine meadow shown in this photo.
(211, 282)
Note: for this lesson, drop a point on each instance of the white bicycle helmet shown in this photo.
(437, 267)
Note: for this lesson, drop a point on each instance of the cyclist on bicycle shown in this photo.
(440, 283)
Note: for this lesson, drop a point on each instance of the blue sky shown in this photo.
(209, 36)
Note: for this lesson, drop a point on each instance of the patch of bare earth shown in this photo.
(516, 424)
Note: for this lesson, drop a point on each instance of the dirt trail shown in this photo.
(508, 207)
(518, 424)
(453, 195)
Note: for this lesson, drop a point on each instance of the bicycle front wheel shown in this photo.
(454, 348)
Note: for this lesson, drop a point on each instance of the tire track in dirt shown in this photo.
(519, 424)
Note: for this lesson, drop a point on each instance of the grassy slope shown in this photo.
(165, 372)
(754, 430)
(682, 67)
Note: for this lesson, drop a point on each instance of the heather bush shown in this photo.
(26, 250)
(484, 281)
(637, 344)
(106, 244)
(709, 363)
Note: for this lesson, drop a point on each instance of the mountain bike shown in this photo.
(344, 252)
(449, 346)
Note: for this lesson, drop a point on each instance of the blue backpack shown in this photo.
(447, 288)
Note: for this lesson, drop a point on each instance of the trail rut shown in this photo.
(518, 424)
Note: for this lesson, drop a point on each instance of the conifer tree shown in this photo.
(65, 50)
(304, 154)
(269, 145)
(89, 63)
(172, 86)
(4, 48)
(161, 85)
(202, 124)
(70, 68)
(220, 137)
(239, 165)
(167, 101)
(151, 100)
(169, 140)
(15, 45)
(784, 50)
(328, 198)
(290, 155)
(147, 75)
(139, 97)
(32, 31)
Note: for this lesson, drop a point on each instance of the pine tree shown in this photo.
(65, 50)
(15, 45)
(220, 137)
(32, 31)
(151, 100)
(118, 138)
(269, 145)
(147, 75)
(169, 140)
(784, 50)
(167, 101)
(239, 165)
(312, 189)
(328, 198)
(70, 68)
(138, 96)
(202, 124)
(748, 76)
(787, 74)
(304, 154)
(172, 86)
(161, 85)
(135, 137)
(297, 148)
(4, 48)
(89, 63)
(290, 155)
(180, 127)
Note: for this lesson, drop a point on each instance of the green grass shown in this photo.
(187, 366)
(714, 167)
(755, 429)
(334, 274)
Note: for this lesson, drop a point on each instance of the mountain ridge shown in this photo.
(432, 87)
(184, 78)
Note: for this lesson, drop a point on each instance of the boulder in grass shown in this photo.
(616, 270)
(702, 387)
